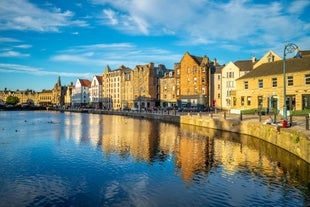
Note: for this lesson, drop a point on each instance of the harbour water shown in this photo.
(79, 159)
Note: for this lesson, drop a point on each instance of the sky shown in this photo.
(43, 39)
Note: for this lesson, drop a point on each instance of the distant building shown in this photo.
(167, 90)
(96, 92)
(80, 93)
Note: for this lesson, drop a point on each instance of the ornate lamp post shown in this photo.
(289, 48)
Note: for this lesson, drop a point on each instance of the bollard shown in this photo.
(260, 116)
(275, 118)
(307, 122)
(211, 115)
(291, 120)
(224, 114)
(240, 116)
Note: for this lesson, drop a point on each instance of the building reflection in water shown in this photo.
(195, 150)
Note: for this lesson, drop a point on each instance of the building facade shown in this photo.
(193, 87)
(263, 87)
(95, 92)
(167, 90)
(80, 93)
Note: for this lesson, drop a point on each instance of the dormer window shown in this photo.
(270, 58)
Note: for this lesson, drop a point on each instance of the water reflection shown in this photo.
(195, 150)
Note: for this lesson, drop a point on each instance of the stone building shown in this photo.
(167, 90)
(127, 99)
(193, 87)
(263, 87)
(145, 91)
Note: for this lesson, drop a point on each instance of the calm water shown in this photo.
(72, 159)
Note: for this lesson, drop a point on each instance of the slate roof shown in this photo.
(244, 65)
(275, 68)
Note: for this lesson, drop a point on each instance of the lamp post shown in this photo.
(289, 48)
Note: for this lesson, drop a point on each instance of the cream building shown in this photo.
(95, 90)
(263, 86)
(167, 90)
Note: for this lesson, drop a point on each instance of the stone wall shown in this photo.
(288, 139)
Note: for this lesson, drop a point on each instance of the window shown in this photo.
(242, 100)
(195, 80)
(178, 81)
(290, 81)
(307, 79)
(188, 70)
(203, 91)
(178, 71)
(218, 86)
(218, 77)
(234, 101)
(203, 79)
(246, 84)
(178, 92)
(274, 82)
(195, 69)
(249, 100)
(203, 69)
(218, 95)
(260, 84)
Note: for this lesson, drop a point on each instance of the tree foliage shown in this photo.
(12, 100)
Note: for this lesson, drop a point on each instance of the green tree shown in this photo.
(12, 100)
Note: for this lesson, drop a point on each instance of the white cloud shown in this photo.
(22, 15)
(16, 68)
(238, 21)
(100, 55)
(13, 54)
(8, 39)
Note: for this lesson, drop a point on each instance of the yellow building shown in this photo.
(167, 90)
(127, 100)
(263, 87)
(145, 86)
(27, 96)
(193, 82)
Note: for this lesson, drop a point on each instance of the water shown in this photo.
(73, 159)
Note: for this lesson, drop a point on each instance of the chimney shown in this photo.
(215, 62)
(253, 59)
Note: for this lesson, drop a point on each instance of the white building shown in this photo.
(80, 94)
(96, 92)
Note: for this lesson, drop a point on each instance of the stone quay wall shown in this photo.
(289, 139)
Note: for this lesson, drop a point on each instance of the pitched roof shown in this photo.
(244, 65)
(275, 68)
(85, 82)
(99, 78)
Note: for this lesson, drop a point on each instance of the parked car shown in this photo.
(134, 109)
(125, 108)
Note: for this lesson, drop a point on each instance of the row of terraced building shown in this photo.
(195, 83)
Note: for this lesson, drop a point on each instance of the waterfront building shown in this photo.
(58, 94)
(127, 100)
(96, 92)
(230, 73)
(24, 96)
(216, 87)
(80, 93)
(45, 98)
(68, 94)
(111, 89)
(145, 83)
(262, 88)
(193, 78)
(167, 90)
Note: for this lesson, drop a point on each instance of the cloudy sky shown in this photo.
(41, 39)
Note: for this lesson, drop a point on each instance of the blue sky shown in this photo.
(41, 39)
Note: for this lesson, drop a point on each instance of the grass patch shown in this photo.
(300, 112)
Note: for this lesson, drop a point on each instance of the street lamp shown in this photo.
(289, 48)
